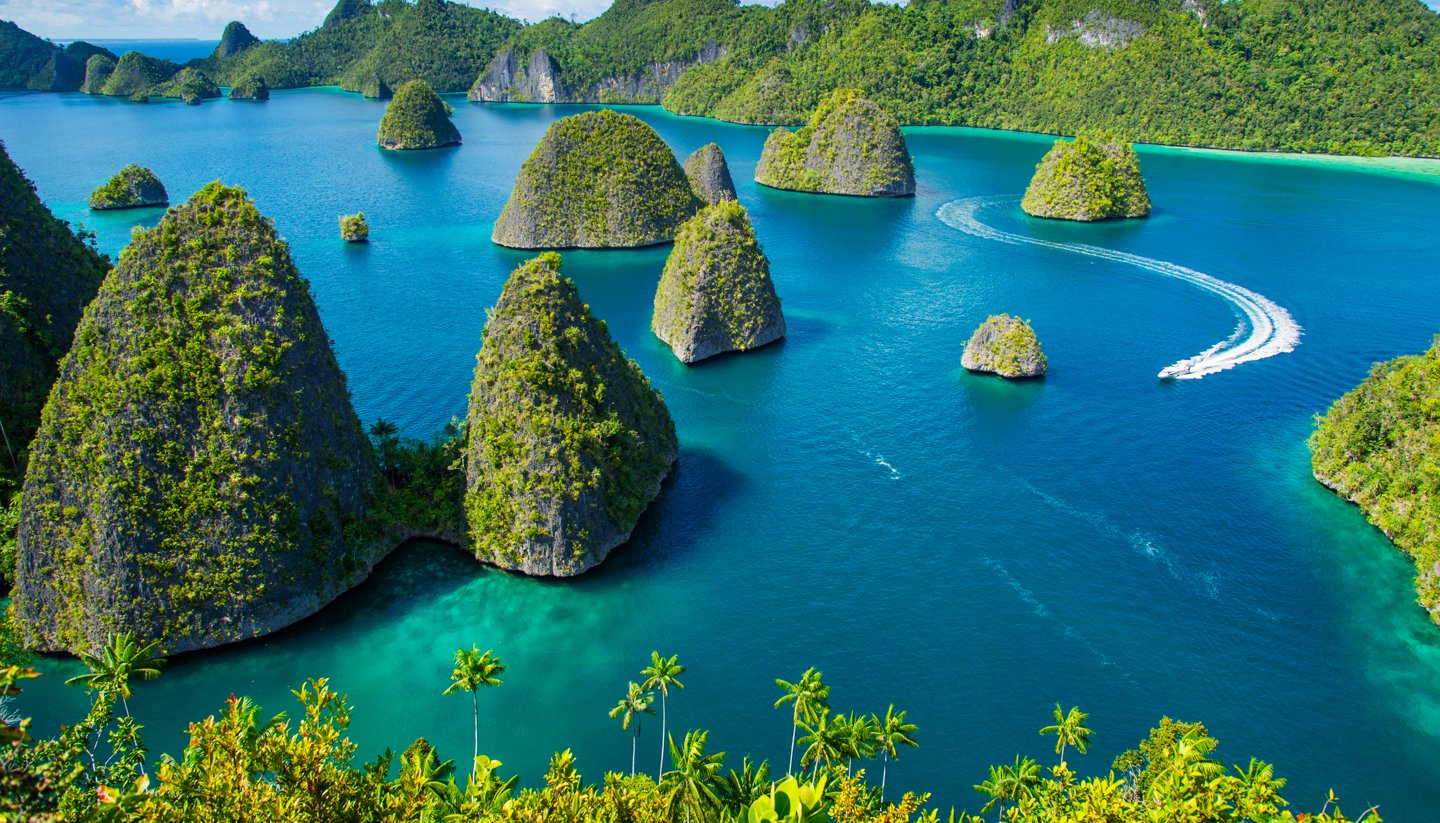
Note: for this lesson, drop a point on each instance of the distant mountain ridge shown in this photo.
(1339, 76)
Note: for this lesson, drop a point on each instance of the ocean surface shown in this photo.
(970, 550)
(177, 50)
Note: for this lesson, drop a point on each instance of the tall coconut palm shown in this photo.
(857, 739)
(1011, 783)
(121, 660)
(823, 741)
(1069, 730)
(661, 675)
(473, 670)
(809, 697)
(692, 782)
(891, 732)
(635, 703)
(1258, 790)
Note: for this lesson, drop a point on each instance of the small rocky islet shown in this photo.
(715, 294)
(709, 174)
(597, 180)
(353, 228)
(1006, 346)
(251, 88)
(417, 118)
(850, 146)
(566, 441)
(132, 187)
(1088, 179)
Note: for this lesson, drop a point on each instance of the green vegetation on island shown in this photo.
(1088, 179)
(566, 442)
(375, 89)
(353, 228)
(709, 174)
(135, 74)
(190, 85)
(1006, 346)
(1377, 447)
(417, 119)
(235, 39)
(47, 276)
(30, 62)
(715, 294)
(601, 179)
(239, 764)
(132, 187)
(198, 468)
(251, 88)
(97, 70)
(850, 146)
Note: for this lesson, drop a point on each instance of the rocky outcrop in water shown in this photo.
(417, 119)
(131, 187)
(601, 179)
(716, 294)
(253, 88)
(190, 85)
(1006, 346)
(850, 146)
(47, 276)
(354, 229)
(198, 466)
(566, 442)
(135, 73)
(235, 39)
(1087, 179)
(709, 174)
(507, 79)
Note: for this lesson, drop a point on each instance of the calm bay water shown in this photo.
(970, 550)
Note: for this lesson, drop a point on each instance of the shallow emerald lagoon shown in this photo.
(970, 550)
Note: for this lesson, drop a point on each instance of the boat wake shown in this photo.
(1272, 330)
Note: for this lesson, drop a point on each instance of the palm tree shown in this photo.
(661, 674)
(1009, 783)
(891, 733)
(694, 777)
(823, 741)
(809, 696)
(1258, 790)
(1069, 730)
(857, 739)
(744, 787)
(473, 670)
(635, 703)
(384, 433)
(120, 660)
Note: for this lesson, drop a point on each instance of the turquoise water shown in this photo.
(970, 550)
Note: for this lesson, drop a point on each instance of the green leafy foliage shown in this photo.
(1088, 178)
(850, 146)
(198, 461)
(1006, 346)
(136, 73)
(417, 119)
(597, 180)
(566, 441)
(188, 84)
(130, 187)
(353, 228)
(1379, 447)
(251, 88)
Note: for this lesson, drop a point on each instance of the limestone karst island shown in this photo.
(643, 411)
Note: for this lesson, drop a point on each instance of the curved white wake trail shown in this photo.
(1272, 330)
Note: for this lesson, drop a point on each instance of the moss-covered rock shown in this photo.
(252, 88)
(1088, 178)
(198, 463)
(601, 179)
(709, 174)
(1006, 346)
(417, 119)
(47, 276)
(190, 85)
(376, 89)
(850, 146)
(353, 228)
(716, 294)
(131, 187)
(98, 69)
(1377, 447)
(566, 442)
(234, 40)
(136, 73)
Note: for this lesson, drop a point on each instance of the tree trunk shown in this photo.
(475, 697)
(884, 772)
(794, 730)
(664, 722)
(634, 741)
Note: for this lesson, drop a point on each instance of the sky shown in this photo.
(204, 19)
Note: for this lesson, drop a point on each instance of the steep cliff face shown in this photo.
(506, 79)
(198, 463)
(850, 146)
(1006, 346)
(376, 89)
(131, 187)
(716, 294)
(235, 39)
(709, 174)
(566, 441)
(417, 119)
(98, 69)
(47, 276)
(1087, 179)
(650, 84)
(596, 180)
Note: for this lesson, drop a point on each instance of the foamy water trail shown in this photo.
(1272, 330)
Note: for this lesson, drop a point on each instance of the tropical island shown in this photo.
(417, 119)
(1087, 179)
(850, 146)
(132, 187)
(1006, 346)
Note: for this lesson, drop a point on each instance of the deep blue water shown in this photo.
(971, 550)
(176, 50)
